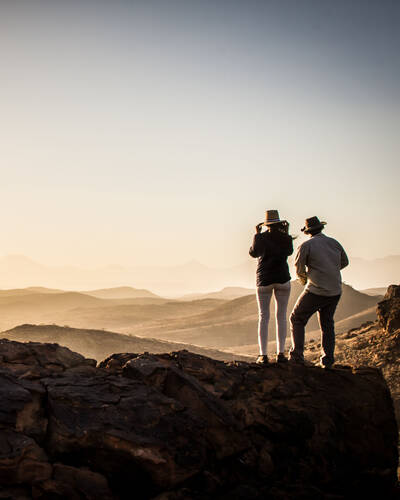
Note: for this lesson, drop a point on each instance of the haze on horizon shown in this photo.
(152, 133)
(20, 272)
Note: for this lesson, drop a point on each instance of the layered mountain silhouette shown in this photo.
(209, 322)
(121, 292)
(234, 323)
(375, 291)
(20, 271)
(227, 293)
(99, 344)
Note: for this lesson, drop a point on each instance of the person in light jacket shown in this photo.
(272, 248)
(318, 263)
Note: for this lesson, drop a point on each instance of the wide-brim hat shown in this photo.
(272, 217)
(312, 224)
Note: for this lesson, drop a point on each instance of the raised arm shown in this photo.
(256, 247)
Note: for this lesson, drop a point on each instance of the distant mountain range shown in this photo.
(17, 271)
(375, 291)
(233, 323)
(192, 277)
(122, 292)
(208, 321)
(227, 293)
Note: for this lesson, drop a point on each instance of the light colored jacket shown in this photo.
(318, 263)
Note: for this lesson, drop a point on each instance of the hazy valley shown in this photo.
(224, 320)
(211, 321)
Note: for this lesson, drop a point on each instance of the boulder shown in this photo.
(388, 310)
(184, 426)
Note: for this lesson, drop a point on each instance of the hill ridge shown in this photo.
(98, 344)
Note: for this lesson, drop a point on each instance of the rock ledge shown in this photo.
(183, 426)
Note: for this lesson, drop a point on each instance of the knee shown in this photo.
(296, 319)
(281, 317)
(328, 329)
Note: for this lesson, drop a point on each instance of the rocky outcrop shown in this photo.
(374, 343)
(183, 426)
(388, 310)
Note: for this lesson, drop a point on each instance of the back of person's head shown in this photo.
(313, 226)
(313, 232)
(281, 227)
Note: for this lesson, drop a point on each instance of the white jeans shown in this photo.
(264, 294)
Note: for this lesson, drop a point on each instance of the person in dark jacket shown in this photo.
(272, 249)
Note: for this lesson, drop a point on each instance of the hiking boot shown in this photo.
(281, 358)
(262, 359)
(328, 366)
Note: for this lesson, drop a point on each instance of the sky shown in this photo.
(158, 132)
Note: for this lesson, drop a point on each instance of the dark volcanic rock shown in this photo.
(388, 310)
(182, 426)
(375, 344)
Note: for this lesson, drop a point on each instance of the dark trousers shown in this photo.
(307, 304)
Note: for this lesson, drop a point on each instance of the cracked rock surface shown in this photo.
(182, 426)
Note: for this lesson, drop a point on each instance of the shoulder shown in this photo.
(306, 244)
(332, 241)
(287, 237)
(303, 249)
(261, 238)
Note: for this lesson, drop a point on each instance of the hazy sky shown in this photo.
(156, 132)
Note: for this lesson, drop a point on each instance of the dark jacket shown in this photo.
(272, 249)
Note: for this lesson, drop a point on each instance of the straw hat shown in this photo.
(272, 217)
(311, 224)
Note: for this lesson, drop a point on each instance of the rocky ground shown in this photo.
(183, 426)
(375, 343)
(368, 345)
